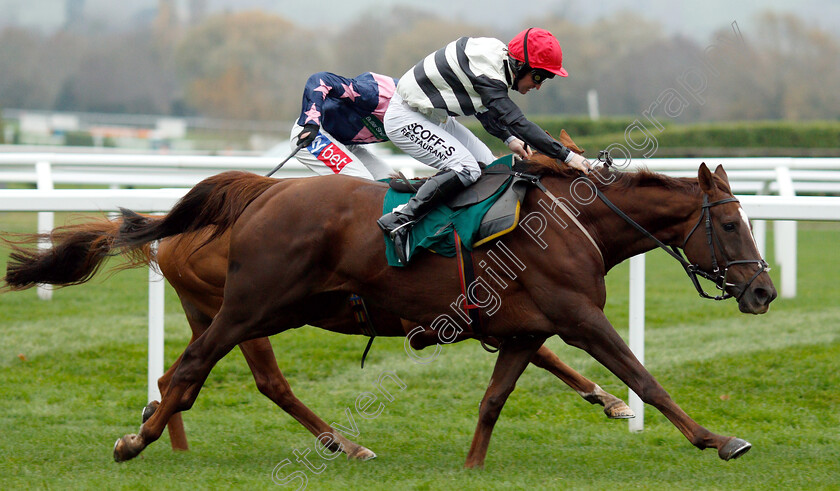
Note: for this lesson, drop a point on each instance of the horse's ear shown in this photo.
(566, 140)
(704, 177)
(722, 174)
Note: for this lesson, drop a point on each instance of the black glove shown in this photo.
(307, 136)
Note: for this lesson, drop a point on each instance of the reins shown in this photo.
(717, 276)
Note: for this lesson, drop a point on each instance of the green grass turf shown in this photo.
(772, 380)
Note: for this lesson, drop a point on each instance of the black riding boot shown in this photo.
(433, 192)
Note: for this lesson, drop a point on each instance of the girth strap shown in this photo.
(360, 313)
(466, 273)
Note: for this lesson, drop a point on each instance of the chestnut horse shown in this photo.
(195, 264)
(554, 283)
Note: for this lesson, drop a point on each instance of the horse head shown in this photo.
(722, 249)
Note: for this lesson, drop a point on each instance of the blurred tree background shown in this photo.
(252, 65)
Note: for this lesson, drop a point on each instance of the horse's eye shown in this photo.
(729, 227)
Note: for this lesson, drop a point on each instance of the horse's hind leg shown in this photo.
(271, 382)
(199, 322)
(175, 425)
(196, 362)
(614, 407)
(236, 322)
(544, 358)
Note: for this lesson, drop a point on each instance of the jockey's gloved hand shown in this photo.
(307, 136)
(576, 161)
(519, 147)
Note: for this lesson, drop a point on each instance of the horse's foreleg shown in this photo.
(598, 338)
(514, 355)
(271, 382)
(591, 392)
(614, 407)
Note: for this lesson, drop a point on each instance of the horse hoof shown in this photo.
(118, 450)
(149, 410)
(734, 448)
(362, 454)
(619, 410)
(127, 447)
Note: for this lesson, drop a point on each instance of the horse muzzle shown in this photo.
(755, 296)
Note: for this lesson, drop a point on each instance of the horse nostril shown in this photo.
(762, 296)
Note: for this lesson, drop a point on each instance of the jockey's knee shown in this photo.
(469, 173)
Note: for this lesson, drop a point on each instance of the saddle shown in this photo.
(483, 211)
(486, 186)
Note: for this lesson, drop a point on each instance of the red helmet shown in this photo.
(539, 49)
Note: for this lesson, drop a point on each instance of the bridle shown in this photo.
(718, 274)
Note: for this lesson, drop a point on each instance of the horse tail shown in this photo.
(77, 252)
(216, 201)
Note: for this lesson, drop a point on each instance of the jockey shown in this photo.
(469, 76)
(338, 116)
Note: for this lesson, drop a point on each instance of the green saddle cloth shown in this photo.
(434, 231)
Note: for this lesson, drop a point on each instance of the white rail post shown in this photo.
(637, 333)
(113, 214)
(759, 227)
(46, 219)
(785, 238)
(156, 301)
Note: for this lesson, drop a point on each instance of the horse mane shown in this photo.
(546, 166)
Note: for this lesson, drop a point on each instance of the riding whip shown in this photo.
(297, 148)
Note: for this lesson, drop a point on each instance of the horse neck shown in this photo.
(668, 214)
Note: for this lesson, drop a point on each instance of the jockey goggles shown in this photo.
(540, 75)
